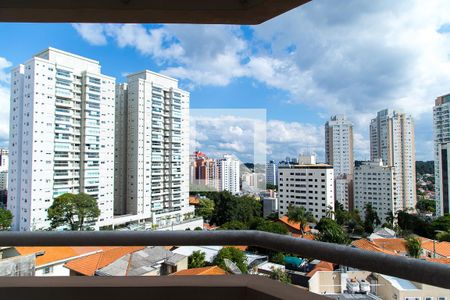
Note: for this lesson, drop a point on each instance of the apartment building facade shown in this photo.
(339, 154)
(306, 184)
(392, 141)
(441, 136)
(152, 159)
(204, 173)
(61, 136)
(229, 174)
(374, 183)
(272, 173)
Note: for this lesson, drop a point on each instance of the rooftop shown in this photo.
(211, 270)
(88, 265)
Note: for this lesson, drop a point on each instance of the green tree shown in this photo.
(205, 208)
(299, 214)
(390, 219)
(371, 220)
(441, 224)
(443, 236)
(277, 258)
(426, 206)
(233, 208)
(233, 254)
(260, 224)
(331, 232)
(280, 275)
(413, 246)
(233, 225)
(196, 260)
(73, 210)
(5, 219)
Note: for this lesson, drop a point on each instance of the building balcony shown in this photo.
(201, 287)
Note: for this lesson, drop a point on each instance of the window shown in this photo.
(48, 270)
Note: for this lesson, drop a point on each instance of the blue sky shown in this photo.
(327, 57)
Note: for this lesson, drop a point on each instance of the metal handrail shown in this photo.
(408, 268)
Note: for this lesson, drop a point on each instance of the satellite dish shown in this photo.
(232, 266)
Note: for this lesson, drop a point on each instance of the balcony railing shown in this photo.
(408, 268)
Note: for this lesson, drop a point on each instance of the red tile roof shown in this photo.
(212, 270)
(321, 266)
(54, 254)
(193, 200)
(442, 248)
(294, 225)
(396, 245)
(370, 246)
(89, 264)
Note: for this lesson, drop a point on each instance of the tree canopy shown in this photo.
(228, 207)
(426, 206)
(371, 219)
(331, 232)
(299, 214)
(196, 260)
(413, 246)
(6, 218)
(205, 208)
(74, 211)
(233, 254)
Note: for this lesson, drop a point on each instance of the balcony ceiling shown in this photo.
(145, 11)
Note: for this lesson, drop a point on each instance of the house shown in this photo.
(129, 261)
(211, 270)
(396, 245)
(436, 249)
(364, 244)
(50, 261)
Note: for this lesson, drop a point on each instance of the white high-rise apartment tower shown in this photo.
(229, 174)
(152, 151)
(392, 141)
(374, 184)
(306, 184)
(61, 136)
(441, 126)
(339, 154)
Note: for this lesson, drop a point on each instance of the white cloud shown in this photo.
(93, 33)
(352, 57)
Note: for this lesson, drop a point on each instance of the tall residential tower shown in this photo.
(152, 159)
(441, 126)
(61, 136)
(392, 141)
(339, 154)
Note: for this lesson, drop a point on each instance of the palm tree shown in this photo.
(196, 260)
(298, 214)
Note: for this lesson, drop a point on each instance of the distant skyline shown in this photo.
(324, 58)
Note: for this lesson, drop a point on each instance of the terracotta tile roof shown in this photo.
(212, 270)
(308, 236)
(369, 246)
(321, 266)
(89, 264)
(442, 248)
(54, 254)
(396, 245)
(294, 225)
(441, 260)
(193, 200)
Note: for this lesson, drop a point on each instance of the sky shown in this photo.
(327, 57)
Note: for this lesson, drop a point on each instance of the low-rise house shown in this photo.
(435, 249)
(50, 261)
(129, 261)
(383, 233)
